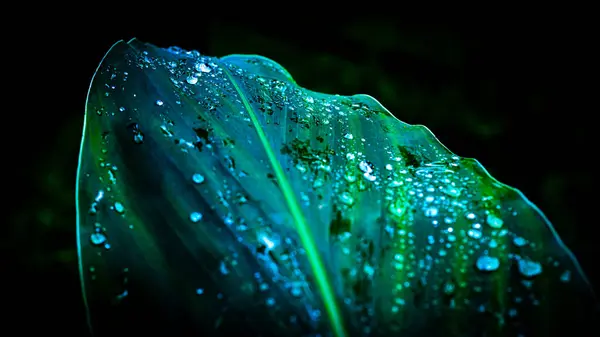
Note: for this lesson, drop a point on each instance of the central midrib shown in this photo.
(306, 238)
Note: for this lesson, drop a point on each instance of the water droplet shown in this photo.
(203, 68)
(348, 136)
(471, 216)
(199, 291)
(122, 109)
(270, 301)
(487, 263)
(475, 234)
(494, 221)
(389, 167)
(449, 288)
(566, 276)
(349, 156)
(519, 241)
(296, 291)
(195, 216)
(192, 79)
(97, 238)
(431, 212)
(451, 191)
(365, 167)
(529, 268)
(119, 207)
(346, 198)
(159, 102)
(198, 178)
(396, 208)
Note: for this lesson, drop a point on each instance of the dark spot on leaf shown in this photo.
(339, 225)
(409, 157)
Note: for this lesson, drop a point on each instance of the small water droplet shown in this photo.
(159, 102)
(494, 221)
(119, 207)
(348, 136)
(97, 238)
(192, 79)
(529, 268)
(346, 198)
(365, 167)
(199, 291)
(470, 216)
(195, 216)
(487, 263)
(198, 178)
(396, 208)
(475, 234)
(431, 212)
(451, 191)
(519, 241)
(566, 276)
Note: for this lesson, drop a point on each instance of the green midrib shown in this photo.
(306, 238)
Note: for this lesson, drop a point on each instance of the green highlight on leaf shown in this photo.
(215, 196)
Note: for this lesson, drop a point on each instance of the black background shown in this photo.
(516, 96)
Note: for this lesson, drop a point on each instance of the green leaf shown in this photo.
(215, 196)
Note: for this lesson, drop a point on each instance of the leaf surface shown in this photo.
(216, 196)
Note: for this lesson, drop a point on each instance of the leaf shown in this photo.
(215, 196)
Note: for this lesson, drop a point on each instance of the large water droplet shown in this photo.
(203, 67)
(487, 263)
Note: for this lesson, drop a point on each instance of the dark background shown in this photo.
(514, 96)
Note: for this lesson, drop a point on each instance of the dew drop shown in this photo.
(203, 67)
(119, 207)
(195, 216)
(348, 136)
(475, 234)
(431, 212)
(494, 221)
(198, 178)
(566, 276)
(97, 238)
(199, 291)
(519, 241)
(451, 191)
(365, 167)
(396, 208)
(487, 263)
(192, 79)
(159, 102)
(529, 268)
(346, 198)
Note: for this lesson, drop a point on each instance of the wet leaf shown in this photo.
(215, 196)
